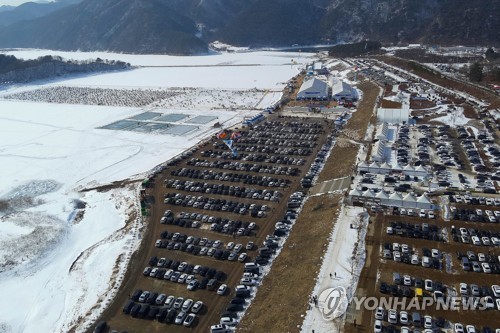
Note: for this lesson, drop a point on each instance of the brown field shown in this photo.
(283, 297)
(390, 104)
(342, 159)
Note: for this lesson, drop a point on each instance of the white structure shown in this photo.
(393, 116)
(378, 154)
(342, 90)
(395, 199)
(313, 89)
(386, 168)
(384, 130)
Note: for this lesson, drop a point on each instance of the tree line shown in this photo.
(9, 63)
(479, 72)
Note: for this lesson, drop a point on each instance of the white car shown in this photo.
(488, 302)
(458, 328)
(486, 241)
(242, 257)
(428, 285)
(379, 313)
(407, 280)
(392, 317)
(397, 256)
(230, 245)
(463, 289)
(241, 287)
(496, 290)
(377, 328)
(222, 289)
(486, 267)
(229, 321)
(427, 321)
(435, 253)
(497, 302)
(481, 257)
(186, 306)
(403, 317)
(470, 329)
(180, 318)
(248, 282)
(197, 307)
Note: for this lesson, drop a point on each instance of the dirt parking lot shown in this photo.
(451, 274)
(214, 305)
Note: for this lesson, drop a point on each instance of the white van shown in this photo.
(221, 328)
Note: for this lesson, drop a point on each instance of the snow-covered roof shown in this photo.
(409, 197)
(362, 164)
(385, 165)
(408, 168)
(374, 164)
(397, 167)
(423, 199)
(382, 195)
(395, 196)
(369, 193)
(420, 168)
(355, 193)
(314, 87)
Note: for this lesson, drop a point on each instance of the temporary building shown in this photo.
(342, 90)
(424, 203)
(313, 89)
(409, 201)
(395, 200)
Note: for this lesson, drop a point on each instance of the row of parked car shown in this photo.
(405, 254)
(206, 203)
(412, 230)
(473, 200)
(317, 165)
(243, 166)
(475, 215)
(221, 189)
(214, 250)
(258, 142)
(406, 320)
(478, 237)
(264, 149)
(165, 309)
(221, 176)
(254, 157)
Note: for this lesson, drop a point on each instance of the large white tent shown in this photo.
(314, 88)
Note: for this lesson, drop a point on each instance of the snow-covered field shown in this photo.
(63, 252)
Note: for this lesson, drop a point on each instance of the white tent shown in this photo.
(408, 169)
(373, 167)
(409, 201)
(397, 168)
(395, 199)
(420, 171)
(363, 166)
(313, 89)
(423, 202)
(385, 168)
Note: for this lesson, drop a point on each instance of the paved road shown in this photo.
(339, 184)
